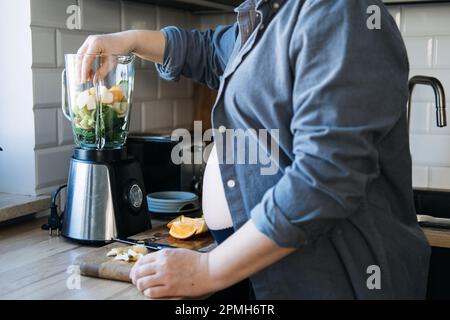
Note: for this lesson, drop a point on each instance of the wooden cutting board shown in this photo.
(95, 263)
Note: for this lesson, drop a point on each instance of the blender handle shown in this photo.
(64, 95)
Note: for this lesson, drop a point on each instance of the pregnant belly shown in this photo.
(215, 206)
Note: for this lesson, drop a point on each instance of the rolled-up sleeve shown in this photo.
(340, 114)
(198, 55)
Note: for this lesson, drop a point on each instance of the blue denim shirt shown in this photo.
(337, 92)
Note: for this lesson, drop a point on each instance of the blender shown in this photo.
(105, 189)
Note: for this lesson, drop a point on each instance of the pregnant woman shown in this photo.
(336, 220)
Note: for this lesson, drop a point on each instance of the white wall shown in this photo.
(157, 104)
(426, 31)
(16, 116)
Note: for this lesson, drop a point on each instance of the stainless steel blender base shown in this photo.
(89, 214)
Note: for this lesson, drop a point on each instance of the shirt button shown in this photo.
(222, 129)
(262, 27)
(276, 5)
(231, 183)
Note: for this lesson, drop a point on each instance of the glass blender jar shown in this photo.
(98, 89)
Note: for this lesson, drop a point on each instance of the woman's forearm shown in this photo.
(246, 252)
(149, 45)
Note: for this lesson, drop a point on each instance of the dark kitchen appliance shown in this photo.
(160, 172)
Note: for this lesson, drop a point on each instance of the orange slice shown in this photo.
(180, 230)
(177, 219)
(198, 223)
(117, 93)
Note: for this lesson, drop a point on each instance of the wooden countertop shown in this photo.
(33, 265)
(438, 237)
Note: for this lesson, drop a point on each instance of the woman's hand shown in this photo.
(149, 45)
(173, 273)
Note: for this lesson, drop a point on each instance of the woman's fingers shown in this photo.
(148, 282)
(157, 292)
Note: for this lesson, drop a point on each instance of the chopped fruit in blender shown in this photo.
(117, 93)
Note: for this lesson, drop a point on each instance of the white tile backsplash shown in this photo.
(100, 15)
(65, 135)
(430, 149)
(420, 117)
(420, 51)
(157, 115)
(420, 176)
(50, 13)
(439, 177)
(45, 127)
(51, 40)
(52, 165)
(425, 19)
(68, 41)
(43, 44)
(145, 84)
(46, 86)
(442, 51)
(138, 16)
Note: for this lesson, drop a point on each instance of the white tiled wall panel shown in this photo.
(395, 12)
(426, 31)
(420, 176)
(138, 16)
(46, 86)
(420, 51)
(68, 41)
(45, 127)
(442, 51)
(421, 116)
(52, 165)
(50, 13)
(65, 135)
(157, 115)
(154, 105)
(145, 84)
(100, 15)
(43, 44)
(426, 19)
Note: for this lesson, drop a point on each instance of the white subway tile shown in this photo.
(439, 178)
(65, 135)
(50, 13)
(45, 127)
(52, 165)
(442, 52)
(68, 41)
(136, 117)
(46, 86)
(100, 15)
(173, 89)
(138, 16)
(426, 19)
(420, 117)
(420, 176)
(157, 115)
(172, 17)
(395, 12)
(145, 84)
(425, 93)
(183, 113)
(431, 150)
(43, 43)
(420, 51)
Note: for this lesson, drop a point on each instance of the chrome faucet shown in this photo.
(439, 94)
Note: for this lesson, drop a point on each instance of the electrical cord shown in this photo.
(54, 220)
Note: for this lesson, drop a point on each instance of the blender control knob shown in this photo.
(135, 197)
